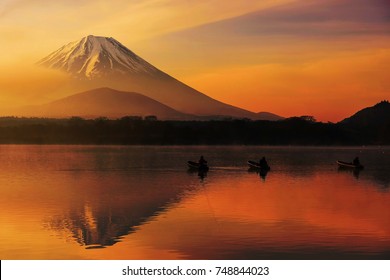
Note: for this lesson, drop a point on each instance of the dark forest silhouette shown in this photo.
(132, 131)
(370, 126)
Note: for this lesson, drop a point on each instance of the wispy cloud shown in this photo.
(7, 6)
(321, 18)
(294, 31)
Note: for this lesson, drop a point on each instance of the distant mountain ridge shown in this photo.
(370, 125)
(95, 62)
(376, 115)
(268, 116)
(106, 102)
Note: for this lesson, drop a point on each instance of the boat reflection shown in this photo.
(354, 171)
(202, 174)
(262, 173)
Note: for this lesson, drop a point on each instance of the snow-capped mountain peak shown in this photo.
(95, 62)
(95, 57)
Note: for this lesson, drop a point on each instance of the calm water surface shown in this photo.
(110, 202)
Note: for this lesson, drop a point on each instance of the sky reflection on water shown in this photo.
(141, 203)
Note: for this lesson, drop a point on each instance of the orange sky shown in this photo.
(320, 58)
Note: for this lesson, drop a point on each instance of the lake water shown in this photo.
(141, 202)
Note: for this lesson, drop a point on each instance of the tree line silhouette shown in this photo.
(134, 130)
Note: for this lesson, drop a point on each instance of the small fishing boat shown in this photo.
(256, 165)
(344, 164)
(196, 166)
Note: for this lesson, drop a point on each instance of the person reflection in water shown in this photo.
(202, 175)
(263, 174)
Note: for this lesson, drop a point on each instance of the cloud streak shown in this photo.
(305, 19)
(294, 32)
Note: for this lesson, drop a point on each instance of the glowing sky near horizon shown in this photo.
(325, 58)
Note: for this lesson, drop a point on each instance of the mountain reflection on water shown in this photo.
(107, 210)
(142, 203)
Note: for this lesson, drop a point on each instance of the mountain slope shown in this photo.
(268, 116)
(95, 62)
(105, 102)
(376, 115)
(370, 125)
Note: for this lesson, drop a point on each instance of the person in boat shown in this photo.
(263, 163)
(202, 161)
(356, 161)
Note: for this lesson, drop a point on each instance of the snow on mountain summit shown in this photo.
(95, 56)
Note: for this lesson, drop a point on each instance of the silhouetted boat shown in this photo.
(196, 166)
(349, 165)
(256, 165)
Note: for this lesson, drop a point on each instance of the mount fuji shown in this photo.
(96, 57)
(96, 62)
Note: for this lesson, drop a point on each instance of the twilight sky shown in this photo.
(327, 58)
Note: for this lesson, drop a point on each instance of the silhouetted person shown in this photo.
(202, 161)
(263, 163)
(356, 161)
